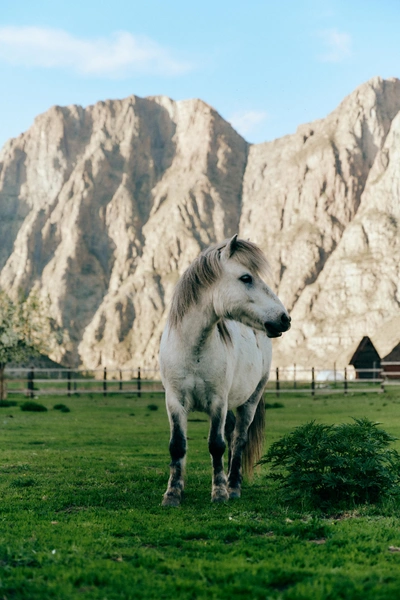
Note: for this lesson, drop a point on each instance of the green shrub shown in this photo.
(62, 408)
(152, 407)
(33, 406)
(327, 466)
(7, 403)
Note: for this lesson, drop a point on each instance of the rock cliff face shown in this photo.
(358, 290)
(102, 209)
(325, 205)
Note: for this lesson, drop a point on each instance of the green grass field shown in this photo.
(80, 513)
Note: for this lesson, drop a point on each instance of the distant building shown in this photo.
(364, 358)
(391, 363)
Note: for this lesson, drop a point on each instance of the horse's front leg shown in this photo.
(229, 429)
(177, 448)
(216, 446)
(243, 420)
(252, 413)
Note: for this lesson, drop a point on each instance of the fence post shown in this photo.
(105, 381)
(294, 377)
(120, 380)
(334, 373)
(345, 380)
(30, 382)
(382, 374)
(312, 381)
(69, 382)
(277, 385)
(139, 383)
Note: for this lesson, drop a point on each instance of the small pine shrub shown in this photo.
(152, 407)
(33, 406)
(62, 408)
(7, 403)
(327, 466)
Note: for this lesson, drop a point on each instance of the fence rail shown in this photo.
(315, 381)
(40, 382)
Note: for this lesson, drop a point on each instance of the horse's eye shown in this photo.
(246, 279)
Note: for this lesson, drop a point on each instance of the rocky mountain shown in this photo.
(325, 203)
(102, 208)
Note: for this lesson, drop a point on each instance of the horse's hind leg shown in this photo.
(216, 446)
(177, 449)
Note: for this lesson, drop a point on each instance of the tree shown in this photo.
(25, 330)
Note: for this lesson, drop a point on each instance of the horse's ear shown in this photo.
(231, 247)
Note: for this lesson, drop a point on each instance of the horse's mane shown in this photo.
(205, 270)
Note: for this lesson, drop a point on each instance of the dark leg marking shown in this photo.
(177, 449)
(216, 446)
(229, 429)
(238, 444)
(244, 418)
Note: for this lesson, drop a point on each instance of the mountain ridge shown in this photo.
(103, 207)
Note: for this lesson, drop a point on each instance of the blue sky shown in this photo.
(265, 66)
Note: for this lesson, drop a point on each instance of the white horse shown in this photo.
(215, 356)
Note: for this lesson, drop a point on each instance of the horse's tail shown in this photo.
(253, 450)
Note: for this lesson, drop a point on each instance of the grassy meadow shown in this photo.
(80, 513)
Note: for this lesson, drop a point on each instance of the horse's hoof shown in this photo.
(220, 499)
(219, 496)
(171, 500)
(234, 493)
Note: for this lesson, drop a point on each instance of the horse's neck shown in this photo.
(198, 325)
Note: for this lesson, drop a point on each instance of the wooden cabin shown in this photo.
(364, 358)
(391, 364)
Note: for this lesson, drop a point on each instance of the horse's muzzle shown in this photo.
(276, 328)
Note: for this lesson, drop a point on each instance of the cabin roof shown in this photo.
(394, 355)
(364, 347)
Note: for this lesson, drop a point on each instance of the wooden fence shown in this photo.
(39, 382)
(67, 382)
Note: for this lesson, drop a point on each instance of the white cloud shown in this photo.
(245, 122)
(119, 55)
(338, 45)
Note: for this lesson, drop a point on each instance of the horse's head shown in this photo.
(241, 294)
